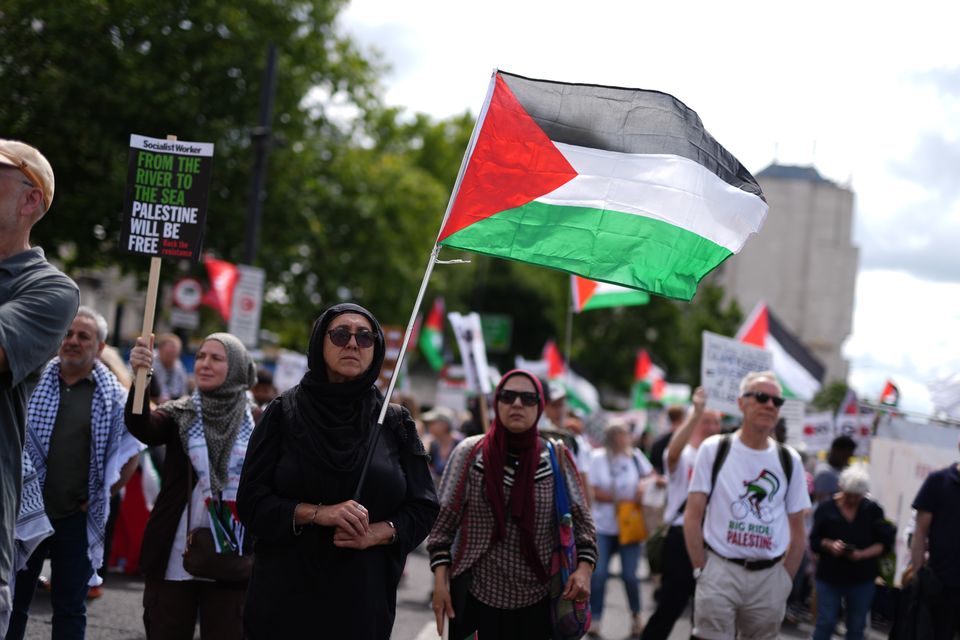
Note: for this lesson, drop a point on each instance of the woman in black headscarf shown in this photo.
(326, 565)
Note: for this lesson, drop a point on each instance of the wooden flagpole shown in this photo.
(149, 312)
(436, 246)
(569, 337)
(432, 260)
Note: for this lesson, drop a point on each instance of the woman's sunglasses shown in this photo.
(763, 398)
(527, 398)
(340, 337)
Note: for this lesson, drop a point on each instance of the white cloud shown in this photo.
(870, 95)
(904, 328)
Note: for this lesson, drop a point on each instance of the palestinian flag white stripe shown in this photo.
(663, 187)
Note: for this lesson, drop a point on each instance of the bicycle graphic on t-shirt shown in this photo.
(756, 499)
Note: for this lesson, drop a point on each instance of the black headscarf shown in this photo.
(333, 419)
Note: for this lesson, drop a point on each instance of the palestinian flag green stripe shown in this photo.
(617, 299)
(608, 246)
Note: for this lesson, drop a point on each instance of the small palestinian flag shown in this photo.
(590, 294)
(617, 185)
(223, 278)
(648, 381)
(890, 396)
(555, 364)
(431, 336)
(798, 370)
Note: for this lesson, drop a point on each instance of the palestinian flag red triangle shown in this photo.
(513, 163)
(756, 328)
(799, 371)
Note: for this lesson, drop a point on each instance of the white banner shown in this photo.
(246, 306)
(902, 455)
(724, 363)
(792, 414)
(816, 432)
(857, 426)
(290, 369)
(473, 352)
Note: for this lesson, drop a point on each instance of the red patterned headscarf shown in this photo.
(496, 443)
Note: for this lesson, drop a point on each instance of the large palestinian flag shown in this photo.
(588, 295)
(798, 370)
(617, 185)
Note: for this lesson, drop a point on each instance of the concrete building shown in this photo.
(803, 262)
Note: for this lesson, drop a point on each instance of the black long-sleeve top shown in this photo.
(304, 586)
(867, 528)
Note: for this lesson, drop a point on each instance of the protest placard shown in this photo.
(165, 208)
(723, 364)
(473, 351)
(291, 367)
(792, 414)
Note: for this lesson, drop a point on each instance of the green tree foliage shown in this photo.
(606, 341)
(79, 77)
(830, 396)
(355, 190)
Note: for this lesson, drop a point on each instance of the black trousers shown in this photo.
(945, 614)
(676, 587)
(529, 623)
(171, 609)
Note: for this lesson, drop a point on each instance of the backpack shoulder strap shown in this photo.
(723, 449)
(636, 462)
(786, 461)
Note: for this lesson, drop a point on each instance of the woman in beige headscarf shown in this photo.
(206, 434)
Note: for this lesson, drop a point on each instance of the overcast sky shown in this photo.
(870, 96)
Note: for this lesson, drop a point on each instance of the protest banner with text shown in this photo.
(724, 363)
(165, 208)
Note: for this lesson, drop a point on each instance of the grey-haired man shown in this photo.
(83, 454)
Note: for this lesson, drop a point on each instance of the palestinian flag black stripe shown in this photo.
(627, 121)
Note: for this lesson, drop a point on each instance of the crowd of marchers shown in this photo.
(292, 514)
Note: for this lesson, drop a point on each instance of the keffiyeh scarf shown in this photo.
(222, 508)
(33, 526)
(111, 445)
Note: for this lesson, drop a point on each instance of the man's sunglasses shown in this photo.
(763, 398)
(527, 398)
(340, 337)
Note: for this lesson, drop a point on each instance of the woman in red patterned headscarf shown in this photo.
(491, 545)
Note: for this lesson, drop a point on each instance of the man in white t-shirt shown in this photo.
(744, 532)
(678, 458)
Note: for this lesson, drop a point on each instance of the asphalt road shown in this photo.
(117, 615)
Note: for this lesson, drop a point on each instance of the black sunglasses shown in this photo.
(763, 398)
(527, 398)
(340, 337)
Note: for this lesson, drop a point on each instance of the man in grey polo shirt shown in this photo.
(78, 442)
(37, 304)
